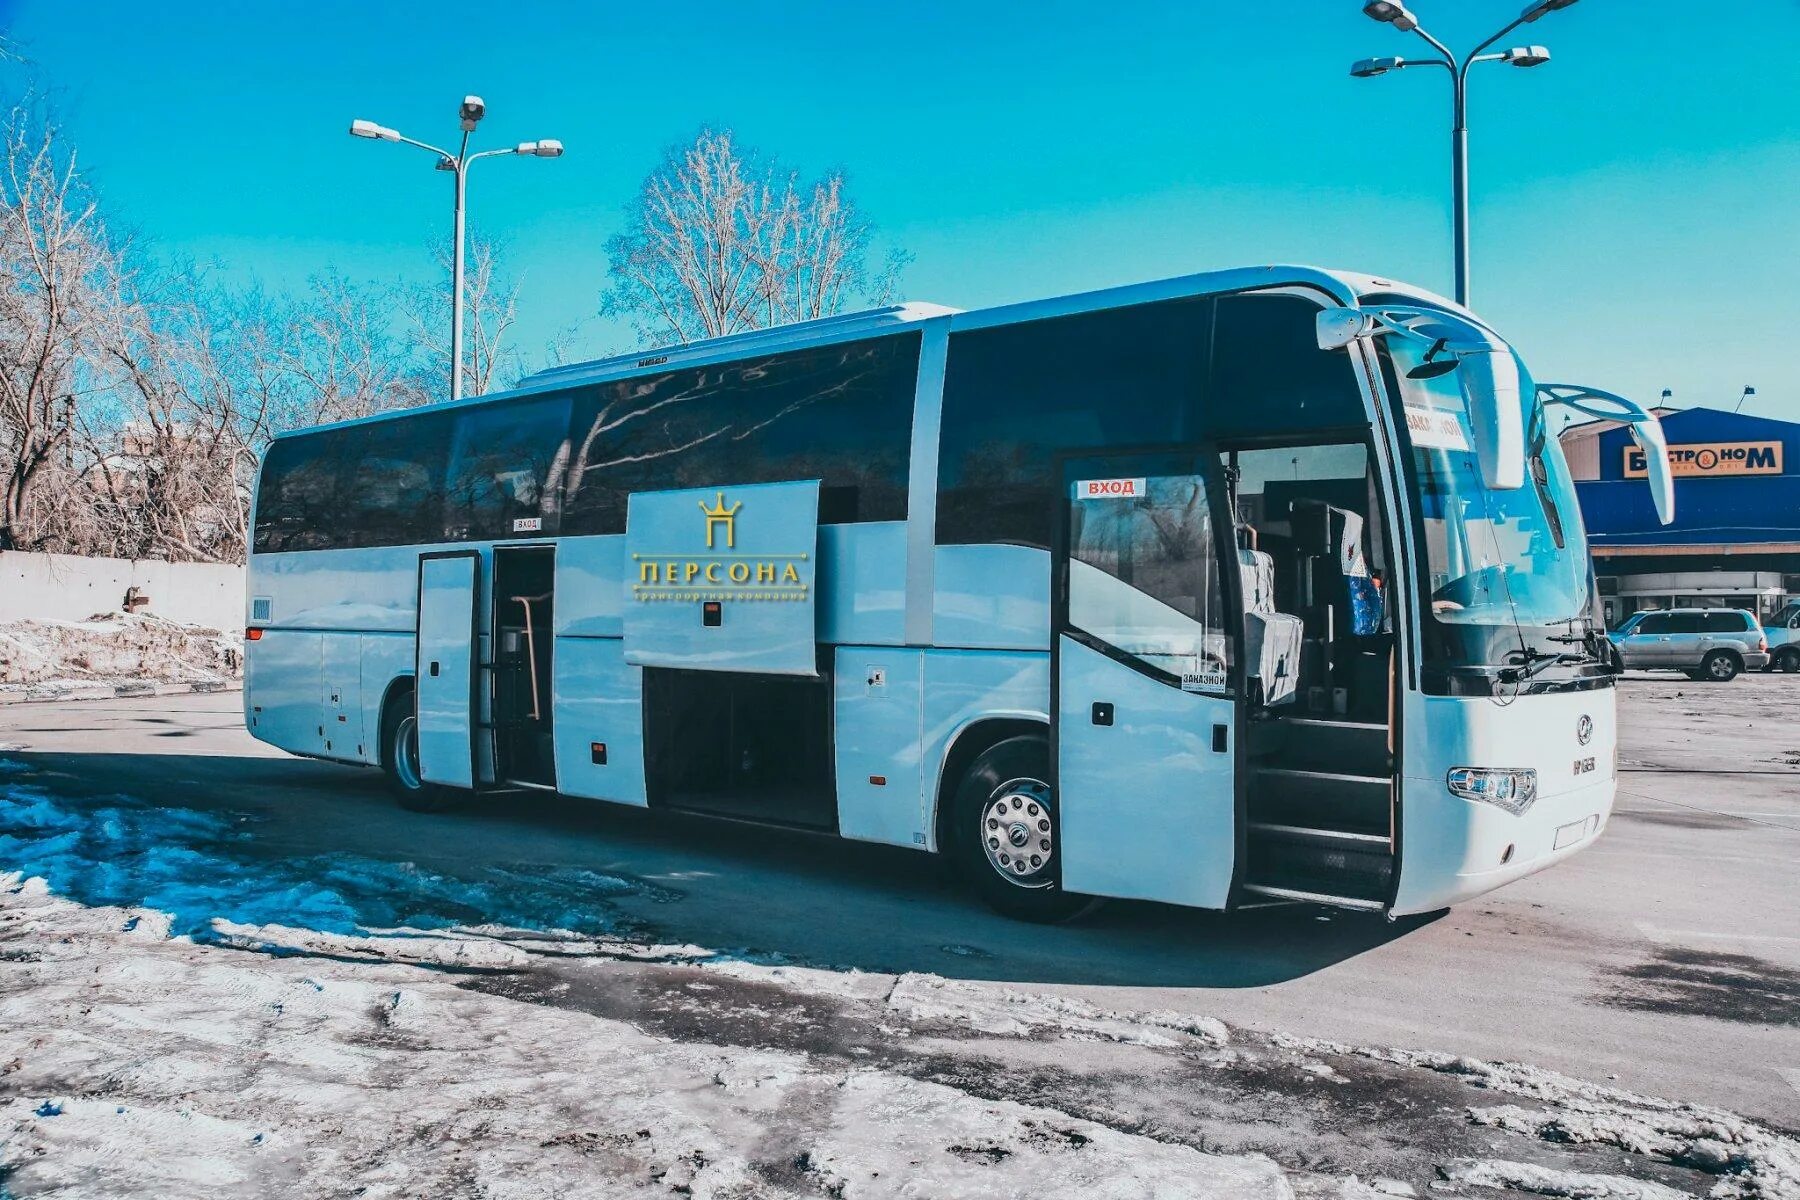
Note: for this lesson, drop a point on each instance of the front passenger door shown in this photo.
(1146, 719)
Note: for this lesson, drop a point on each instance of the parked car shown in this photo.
(1783, 631)
(1703, 643)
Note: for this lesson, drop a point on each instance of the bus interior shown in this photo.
(1319, 645)
(523, 715)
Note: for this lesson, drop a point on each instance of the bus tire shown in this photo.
(400, 758)
(1720, 666)
(1004, 832)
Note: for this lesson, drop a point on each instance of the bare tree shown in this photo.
(57, 271)
(340, 351)
(196, 376)
(490, 306)
(721, 240)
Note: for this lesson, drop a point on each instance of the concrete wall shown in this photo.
(71, 588)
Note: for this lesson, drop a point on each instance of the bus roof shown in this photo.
(1341, 286)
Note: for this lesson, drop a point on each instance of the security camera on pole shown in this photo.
(1388, 12)
(473, 109)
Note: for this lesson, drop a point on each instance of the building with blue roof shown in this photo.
(1735, 540)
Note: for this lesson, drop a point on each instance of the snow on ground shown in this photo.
(46, 656)
(1754, 1161)
(184, 1012)
(146, 1066)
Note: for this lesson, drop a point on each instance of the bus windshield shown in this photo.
(1507, 568)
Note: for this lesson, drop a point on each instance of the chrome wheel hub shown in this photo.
(1018, 832)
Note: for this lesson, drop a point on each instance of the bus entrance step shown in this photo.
(1336, 867)
(1338, 838)
(1327, 744)
(1320, 800)
(1297, 896)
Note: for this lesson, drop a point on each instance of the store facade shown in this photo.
(1735, 540)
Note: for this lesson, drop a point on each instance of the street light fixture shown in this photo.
(1534, 11)
(1390, 13)
(1526, 56)
(369, 129)
(473, 109)
(1368, 68)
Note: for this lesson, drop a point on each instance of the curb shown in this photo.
(48, 693)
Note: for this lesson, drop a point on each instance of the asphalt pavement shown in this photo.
(1665, 959)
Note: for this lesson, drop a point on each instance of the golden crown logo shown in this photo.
(720, 515)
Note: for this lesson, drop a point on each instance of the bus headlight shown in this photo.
(1510, 788)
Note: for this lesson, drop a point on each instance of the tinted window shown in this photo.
(506, 469)
(1015, 395)
(839, 414)
(297, 498)
(391, 481)
(1244, 365)
(1724, 621)
(1683, 623)
(1654, 623)
(1269, 375)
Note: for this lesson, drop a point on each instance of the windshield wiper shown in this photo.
(1533, 663)
(1592, 639)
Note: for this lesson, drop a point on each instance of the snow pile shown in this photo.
(146, 1067)
(1752, 1161)
(1543, 1181)
(116, 648)
(1007, 1012)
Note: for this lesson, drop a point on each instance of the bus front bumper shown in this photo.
(1455, 849)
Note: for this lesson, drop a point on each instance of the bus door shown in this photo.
(446, 666)
(1146, 722)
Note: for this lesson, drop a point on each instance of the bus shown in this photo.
(1260, 586)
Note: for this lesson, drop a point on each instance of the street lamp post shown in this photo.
(1390, 13)
(473, 109)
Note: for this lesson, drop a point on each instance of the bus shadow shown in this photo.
(274, 840)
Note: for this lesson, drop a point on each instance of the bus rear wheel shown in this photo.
(400, 760)
(1005, 830)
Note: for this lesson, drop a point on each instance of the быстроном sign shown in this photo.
(1713, 458)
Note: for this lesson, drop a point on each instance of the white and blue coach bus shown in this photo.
(1255, 586)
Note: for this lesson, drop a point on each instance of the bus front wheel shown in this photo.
(400, 760)
(1005, 833)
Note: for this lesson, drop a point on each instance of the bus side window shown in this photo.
(505, 476)
(841, 414)
(298, 494)
(393, 483)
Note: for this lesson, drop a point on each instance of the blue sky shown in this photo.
(1634, 200)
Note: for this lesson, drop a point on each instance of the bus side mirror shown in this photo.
(1648, 434)
(1488, 374)
(1645, 429)
(1336, 328)
(1490, 387)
